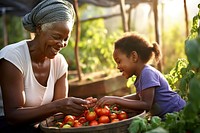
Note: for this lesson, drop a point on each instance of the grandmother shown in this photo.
(33, 73)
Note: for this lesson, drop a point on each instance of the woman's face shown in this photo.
(124, 63)
(53, 38)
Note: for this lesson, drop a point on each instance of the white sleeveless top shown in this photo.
(34, 93)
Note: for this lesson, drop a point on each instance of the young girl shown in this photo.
(153, 93)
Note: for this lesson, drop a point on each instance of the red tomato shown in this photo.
(93, 123)
(104, 119)
(122, 115)
(115, 108)
(82, 120)
(107, 107)
(97, 110)
(113, 116)
(90, 116)
(77, 123)
(85, 112)
(69, 119)
(104, 111)
(114, 120)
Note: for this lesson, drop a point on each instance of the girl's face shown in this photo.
(54, 38)
(124, 64)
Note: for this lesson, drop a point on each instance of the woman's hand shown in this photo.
(72, 105)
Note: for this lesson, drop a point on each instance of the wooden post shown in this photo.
(129, 17)
(157, 34)
(78, 31)
(123, 14)
(186, 18)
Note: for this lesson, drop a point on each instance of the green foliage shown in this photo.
(14, 29)
(187, 120)
(172, 48)
(175, 74)
(95, 46)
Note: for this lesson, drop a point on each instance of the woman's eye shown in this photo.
(56, 37)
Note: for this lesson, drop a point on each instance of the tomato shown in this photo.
(113, 116)
(115, 108)
(114, 120)
(90, 116)
(97, 110)
(104, 111)
(66, 126)
(69, 119)
(107, 107)
(77, 123)
(85, 112)
(122, 115)
(104, 119)
(93, 123)
(59, 124)
(82, 120)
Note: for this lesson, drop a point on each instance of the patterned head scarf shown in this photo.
(49, 11)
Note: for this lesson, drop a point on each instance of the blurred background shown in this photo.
(98, 33)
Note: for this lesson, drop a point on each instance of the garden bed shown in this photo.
(99, 84)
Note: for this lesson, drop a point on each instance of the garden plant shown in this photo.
(187, 75)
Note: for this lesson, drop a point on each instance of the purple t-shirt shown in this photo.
(165, 100)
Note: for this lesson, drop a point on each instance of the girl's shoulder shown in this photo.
(149, 69)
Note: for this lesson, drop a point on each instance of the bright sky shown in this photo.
(173, 13)
(175, 8)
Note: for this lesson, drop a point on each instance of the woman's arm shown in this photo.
(12, 85)
(61, 88)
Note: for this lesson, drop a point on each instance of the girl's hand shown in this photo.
(107, 100)
(90, 102)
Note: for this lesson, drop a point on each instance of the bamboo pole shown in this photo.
(157, 34)
(123, 14)
(78, 30)
(186, 19)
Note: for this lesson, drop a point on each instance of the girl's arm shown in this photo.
(145, 102)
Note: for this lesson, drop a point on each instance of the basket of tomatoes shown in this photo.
(107, 119)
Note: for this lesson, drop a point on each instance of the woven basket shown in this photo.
(117, 127)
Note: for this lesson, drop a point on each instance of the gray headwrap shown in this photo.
(49, 11)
